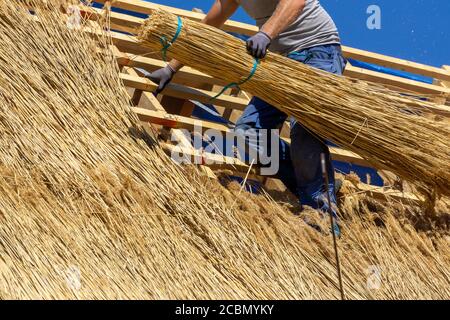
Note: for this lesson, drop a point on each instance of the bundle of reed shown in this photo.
(385, 128)
(91, 208)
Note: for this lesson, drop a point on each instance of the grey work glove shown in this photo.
(258, 44)
(162, 77)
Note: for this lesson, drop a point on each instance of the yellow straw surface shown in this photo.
(90, 207)
(386, 129)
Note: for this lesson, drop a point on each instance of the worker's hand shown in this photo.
(258, 44)
(162, 77)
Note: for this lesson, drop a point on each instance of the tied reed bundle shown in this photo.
(385, 128)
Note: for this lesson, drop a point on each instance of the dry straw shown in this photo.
(384, 128)
(89, 210)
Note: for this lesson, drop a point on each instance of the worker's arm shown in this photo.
(285, 14)
(216, 17)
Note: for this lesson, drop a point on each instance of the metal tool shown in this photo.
(330, 213)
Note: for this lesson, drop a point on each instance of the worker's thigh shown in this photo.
(258, 116)
(306, 147)
(327, 58)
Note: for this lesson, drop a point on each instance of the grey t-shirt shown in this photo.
(314, 27)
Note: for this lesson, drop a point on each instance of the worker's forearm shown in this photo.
(285, 14)
(220, 12)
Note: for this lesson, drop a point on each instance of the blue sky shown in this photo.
(417, 30)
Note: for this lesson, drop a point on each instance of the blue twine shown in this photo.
(237, 84)
(167, 44)
(303, 55)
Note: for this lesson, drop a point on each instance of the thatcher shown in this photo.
(88, 210)
(385, 128)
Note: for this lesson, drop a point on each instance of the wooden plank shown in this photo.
(136, 97)
(395, 63)
(179, 91)
(446, 84)
(343, 155)
(123, 42)
(439, 99)
(213, 161)
(227, 113)
(339, 154)
(118, 21)
(208, 172)
(147, 101)
(187, 108)
(177, 122)
(378, 77)
(386, 194)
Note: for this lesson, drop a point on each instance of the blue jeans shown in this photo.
(299, 168)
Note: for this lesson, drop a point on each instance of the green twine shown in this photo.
(167, 44)
(237, 84)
